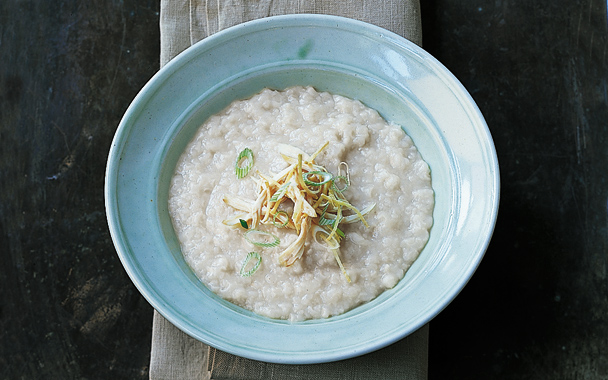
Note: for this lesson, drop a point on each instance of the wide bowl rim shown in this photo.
(322, 355)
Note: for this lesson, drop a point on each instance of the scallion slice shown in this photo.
(244, 163)
(277, 224)
(280, 192)
(262, 238)
(323, 221)
(250, 255)
(337, 187)
(330, 242)
(339, 232)
(243, 224)
(324, 177)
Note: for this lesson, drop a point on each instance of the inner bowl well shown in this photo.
(341, 56)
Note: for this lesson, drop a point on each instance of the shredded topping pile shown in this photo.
(316, 196)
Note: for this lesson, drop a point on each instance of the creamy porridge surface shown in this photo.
(385, 168)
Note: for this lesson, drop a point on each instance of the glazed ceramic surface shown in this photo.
(342, 56)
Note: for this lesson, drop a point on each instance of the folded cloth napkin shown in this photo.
(176, 355)
(185, 22)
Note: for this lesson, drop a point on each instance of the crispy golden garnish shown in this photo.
(319, 204)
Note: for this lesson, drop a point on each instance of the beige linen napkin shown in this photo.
(185, 22)
(174, 354)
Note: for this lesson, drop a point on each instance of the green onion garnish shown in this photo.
(280, 192)
(244, 224)
(323, 221)
(339, 232)
(326, 222)
(337, 187)
(244, 163)
(323, 177)
(250, 255)
(261, 238)
(277, 224)
(330, 242)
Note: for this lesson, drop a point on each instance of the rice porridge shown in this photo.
(388, 184)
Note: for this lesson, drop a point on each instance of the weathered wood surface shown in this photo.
(537, 308)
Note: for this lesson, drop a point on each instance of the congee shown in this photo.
(300, 204)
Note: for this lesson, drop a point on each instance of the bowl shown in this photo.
(400, 80)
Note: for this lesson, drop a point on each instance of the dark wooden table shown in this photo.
(537, 308)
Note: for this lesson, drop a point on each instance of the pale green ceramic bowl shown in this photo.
(386, 72)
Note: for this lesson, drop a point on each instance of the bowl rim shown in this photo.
(168, 311)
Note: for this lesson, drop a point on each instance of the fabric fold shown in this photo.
(406, 359)
(185, 22)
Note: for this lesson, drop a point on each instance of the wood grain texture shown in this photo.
(537, 308)
(68, 71)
